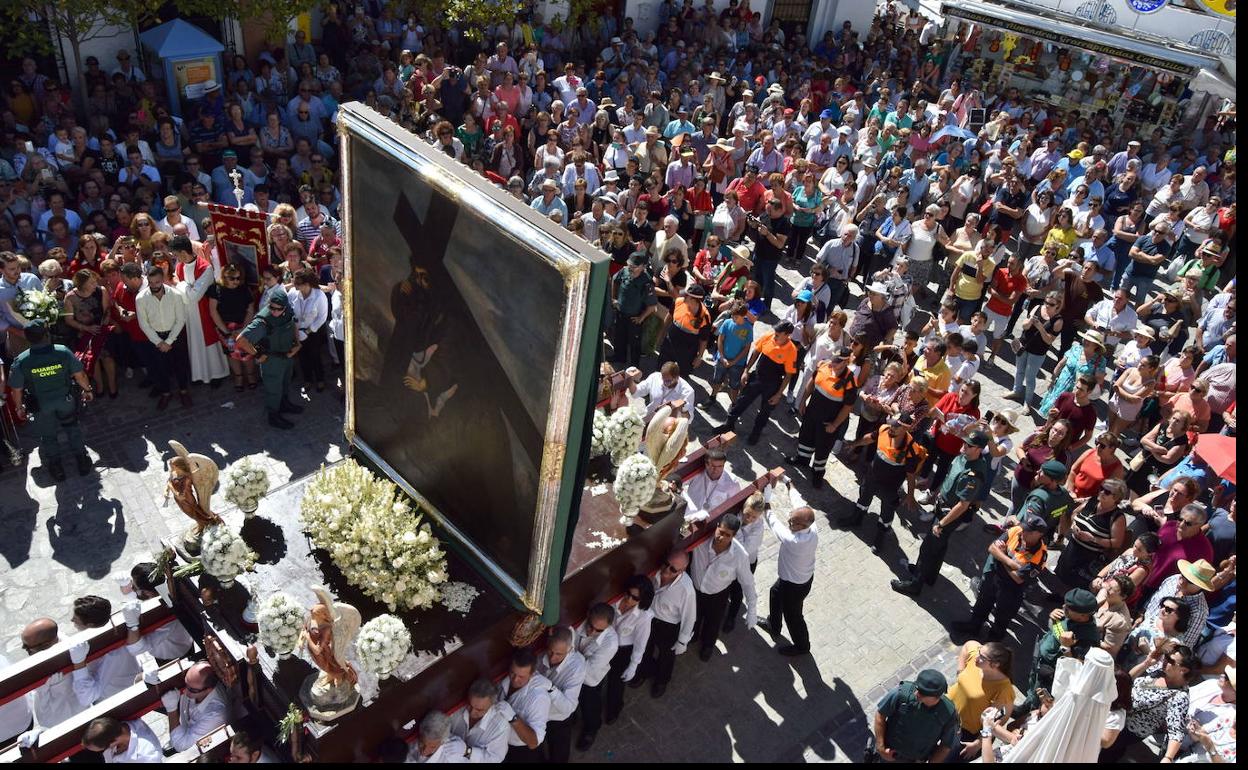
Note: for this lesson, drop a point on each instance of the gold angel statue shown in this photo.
(328, 634)
(666, 437)
(192, 478)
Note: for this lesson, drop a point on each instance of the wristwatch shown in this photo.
(985, 732)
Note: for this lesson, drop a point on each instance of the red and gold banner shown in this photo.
(241, 239)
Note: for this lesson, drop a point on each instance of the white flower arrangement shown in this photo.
(38, 305)
(374, 536)
(382, 645)
(246, 483)
(598, 438)
(280, 619)
(623, 433)
(634, 483)
(224, 554)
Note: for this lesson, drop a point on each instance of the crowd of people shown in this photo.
(1080, 258)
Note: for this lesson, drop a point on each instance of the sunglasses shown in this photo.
(1169, 610)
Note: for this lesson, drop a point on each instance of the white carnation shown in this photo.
(280, 619)
(623, 433)
(224, 554)
(382, 645)
(634, 483)
(245, 484)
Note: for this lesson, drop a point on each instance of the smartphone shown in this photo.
(989, 415)
(30, 147)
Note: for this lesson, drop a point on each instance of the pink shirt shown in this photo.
(1172, 549)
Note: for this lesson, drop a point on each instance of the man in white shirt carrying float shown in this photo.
(799, 540)
(565, 668)
(706, 490)
(717, 561)
(528, 694)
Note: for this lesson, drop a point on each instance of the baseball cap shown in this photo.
(1054, 470)
(931, 682)
(1034, 524)
(1080, 600)
(977, 438)
(804, 295)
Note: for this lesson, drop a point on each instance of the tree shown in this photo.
(472, 17)
(274, 15)
(77, 21)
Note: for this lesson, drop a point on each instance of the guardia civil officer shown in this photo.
(44, 378)
(957, 495)
(271, 338)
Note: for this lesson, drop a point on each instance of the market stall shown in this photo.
(1074, 67)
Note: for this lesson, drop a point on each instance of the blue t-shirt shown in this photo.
(736, 336)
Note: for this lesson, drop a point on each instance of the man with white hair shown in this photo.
(552, 170)
(435, 745)
(549, 201)
(665, 240)
(564, 666)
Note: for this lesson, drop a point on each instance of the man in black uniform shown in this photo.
(632, 292)
(767, 371)
(45, 374)
(897, 460)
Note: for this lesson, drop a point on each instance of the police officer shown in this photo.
(1072, 631)
(956, 498)
(767, 371)
(897, 460)
(825, 404)
(1050, 500)
(632, 296)
(271, 338)
(1014, 560)
(45, 374)
(915, 722)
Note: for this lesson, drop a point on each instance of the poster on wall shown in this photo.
(472, 330)
(191, 74)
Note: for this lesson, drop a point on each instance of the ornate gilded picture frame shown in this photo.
(472, 332)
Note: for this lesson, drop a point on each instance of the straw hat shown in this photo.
(740, 252)
(1010, 417)
(725, 144)
(1199, 572)
(1094, 337)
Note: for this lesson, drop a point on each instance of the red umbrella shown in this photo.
(1219, 452)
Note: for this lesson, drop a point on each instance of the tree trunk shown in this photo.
(76, 46)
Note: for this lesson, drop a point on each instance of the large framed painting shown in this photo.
(472, 333)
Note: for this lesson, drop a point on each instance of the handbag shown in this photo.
(1137, 462)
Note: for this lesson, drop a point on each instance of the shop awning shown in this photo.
(1125, 49)
(1212, 81)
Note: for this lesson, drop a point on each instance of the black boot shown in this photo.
(907, 587)
(290, 407)
(877, 542)
(853, 519)
(728, 427)
(84, 463)
(278, 421)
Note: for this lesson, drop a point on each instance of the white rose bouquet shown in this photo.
(598, 438)
(634, 483)
(623, 433)
(38, 305)
(245, 484)
(374, 536)
(280, 619)
(224, 554)
(382, 645)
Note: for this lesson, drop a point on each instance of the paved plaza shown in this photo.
(748, 703)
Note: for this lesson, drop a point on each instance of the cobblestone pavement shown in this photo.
(747, 703)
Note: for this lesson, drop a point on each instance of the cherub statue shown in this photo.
(666, 437)
(328, 634)
(192, 478)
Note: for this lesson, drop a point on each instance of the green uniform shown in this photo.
(963, 483)
(1049, 504)
(915, 731)
(1049, 649)
(274, 337)
(47, 373)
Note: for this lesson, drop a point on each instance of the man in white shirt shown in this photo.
(713, 485)
(109, 673)
(632, 630)
(482, 724)
(717, 561)
(435, 744)
(528, 694)
(597, 645)
(14, 715)
(130, 742)
(168, 642)
(161, 312)
(1114, 317)
(662, 387)
(799, 540)
(54, 700)
(173, 216)
(197, 710)
(565, 668)
(674, 609)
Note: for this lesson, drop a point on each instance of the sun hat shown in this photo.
(1199, 572)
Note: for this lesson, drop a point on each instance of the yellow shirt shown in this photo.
(1064, 238)
(938, 377)
(972, 273)
(971, 694)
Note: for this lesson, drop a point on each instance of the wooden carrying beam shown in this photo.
(64, 740)
(27, 674)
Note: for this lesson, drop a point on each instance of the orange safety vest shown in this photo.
(784, 356)
(1015, 548)
(690, 321)
(896, 452)
(831, 386)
